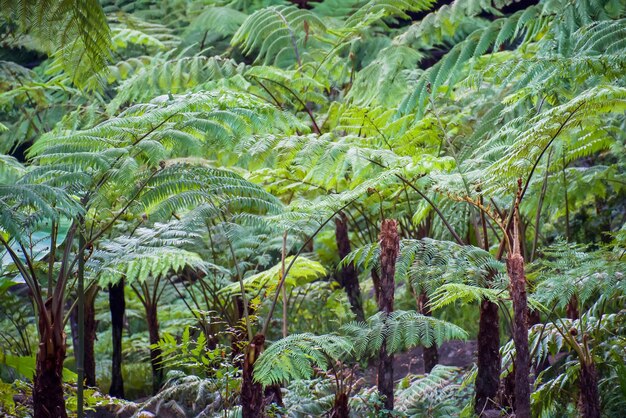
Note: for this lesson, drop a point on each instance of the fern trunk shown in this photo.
(572, 308)
(349, 277)
(90, 337)
(589, 404)
(117, 305)
(155, 353)
(389, 248)
(488, 377)
(430, 354)
(341, 408)
(376, 284)
(48, 401)
(251, 391)
(89, 362)
(515, 268)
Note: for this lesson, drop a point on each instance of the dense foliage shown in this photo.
(265, 207)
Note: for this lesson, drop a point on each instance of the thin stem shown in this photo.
(567, 230)
(542, 195)
(80, 352)
(291, 263)
(283, 288)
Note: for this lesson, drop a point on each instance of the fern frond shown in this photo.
(277, 34)
(75, 30)
(401, 330)
(296, 356)
(303, 271)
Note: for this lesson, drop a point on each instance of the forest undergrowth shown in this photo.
(299, 208)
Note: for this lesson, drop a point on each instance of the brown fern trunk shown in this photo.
(515, 268)
(430, 355)
(589, 404)
(90, 338)
(340, 406)
(251, 391)
(349, 277)
(534, 317)
(48, 401)
(389, 248)
(488, 377)
(117, 306)
(376, 284)
(155, 353)
(572, 308)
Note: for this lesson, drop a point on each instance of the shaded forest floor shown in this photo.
(451, 353)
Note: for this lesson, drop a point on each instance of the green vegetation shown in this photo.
(341, 208)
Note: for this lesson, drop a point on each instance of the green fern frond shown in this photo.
(277, 34)
(401, 330)
(378, 9)
(152, 253)
(182, 187)
(24, 205)
(167, 75)
(75, 30)
(222, 20)
(431, 394)
(296, 356)
(303, 271)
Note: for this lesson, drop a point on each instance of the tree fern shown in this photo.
(165, 74)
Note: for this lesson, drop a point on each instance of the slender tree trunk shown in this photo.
(515, 270)
(90, 337)
(488, 377)
(429, 354)
(48, 401)
(589, 395)
(349, 277)
(155, 353)
(117, 305)
(389, 248)
(251, 391)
